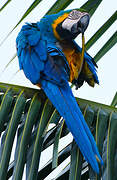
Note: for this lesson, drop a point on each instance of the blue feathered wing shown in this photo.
(44, 63)
(32, 52)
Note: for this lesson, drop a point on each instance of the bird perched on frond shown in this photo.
(50, 58)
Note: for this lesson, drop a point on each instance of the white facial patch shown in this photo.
(68, 23)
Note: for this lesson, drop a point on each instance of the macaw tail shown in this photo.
(64, 101)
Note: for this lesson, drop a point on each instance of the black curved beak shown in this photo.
(73, 25)
(81, 25)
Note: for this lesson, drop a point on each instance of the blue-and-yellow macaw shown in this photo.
(50, 58)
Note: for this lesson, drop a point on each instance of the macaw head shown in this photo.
(72, 25)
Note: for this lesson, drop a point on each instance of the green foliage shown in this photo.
(5, 5)
(10, 134)
(4, 108)
(114, 101)
(76, 163)
(56, 144)
(101, 30)
(108, 45)
(111, 146)
(30, 115)
(26, 113)
(91, 6)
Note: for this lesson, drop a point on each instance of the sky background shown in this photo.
(9, 17)
(107, 66)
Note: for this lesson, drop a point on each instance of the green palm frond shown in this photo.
(114, 101)
(107, 46)
(102, 30)
(5, 5)
(29, 117)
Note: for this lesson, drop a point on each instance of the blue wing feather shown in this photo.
(21, 57)
(41, 50)
(29, 59)
(33, 39)
(24, 64)
(34, 59)
(39, 65)
(29, 69)
(53, 72)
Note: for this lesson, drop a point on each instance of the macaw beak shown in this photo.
(76, 23)
(81, 25)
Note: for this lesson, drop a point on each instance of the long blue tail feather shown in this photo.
(88, 132)
(64, 101)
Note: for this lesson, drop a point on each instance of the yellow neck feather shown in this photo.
(56, 22)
